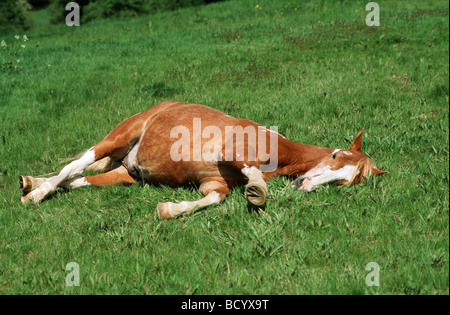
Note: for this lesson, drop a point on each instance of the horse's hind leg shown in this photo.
(70, 171)
(28, 183)
(118, 176)
(115, 145)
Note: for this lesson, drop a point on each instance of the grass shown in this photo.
(313, 69)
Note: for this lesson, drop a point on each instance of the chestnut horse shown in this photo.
(146, 147)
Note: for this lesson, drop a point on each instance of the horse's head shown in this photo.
(343, 167)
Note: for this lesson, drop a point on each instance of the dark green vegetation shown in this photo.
(314, 69)
(15, 14)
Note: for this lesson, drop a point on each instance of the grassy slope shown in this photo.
(315, 71)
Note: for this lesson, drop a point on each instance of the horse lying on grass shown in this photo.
(226, 153)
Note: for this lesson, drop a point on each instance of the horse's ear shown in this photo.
(376, 171)
(356, 144)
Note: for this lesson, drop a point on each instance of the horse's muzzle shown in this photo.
(298, 182)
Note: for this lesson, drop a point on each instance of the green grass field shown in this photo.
(312, 68)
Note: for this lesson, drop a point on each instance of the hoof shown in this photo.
(26, 198)
(28, 183)
(25, 184)
(163, 211)
(256, 193)
(39, 192)
(306, 185)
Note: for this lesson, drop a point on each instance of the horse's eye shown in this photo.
(334, 156)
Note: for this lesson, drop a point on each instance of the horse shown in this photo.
(168, 144)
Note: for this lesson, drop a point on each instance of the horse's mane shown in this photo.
(364, 168)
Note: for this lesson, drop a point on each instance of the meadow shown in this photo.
(312, 68)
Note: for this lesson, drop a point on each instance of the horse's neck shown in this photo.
(295, 158)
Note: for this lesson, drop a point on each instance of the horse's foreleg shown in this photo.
(214, 193)
(169, 210)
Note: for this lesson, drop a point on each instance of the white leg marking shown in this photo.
(70, 171)
(76, 183)
(252, 173)
(185, 207)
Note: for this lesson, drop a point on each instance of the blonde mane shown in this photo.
(363, 169)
